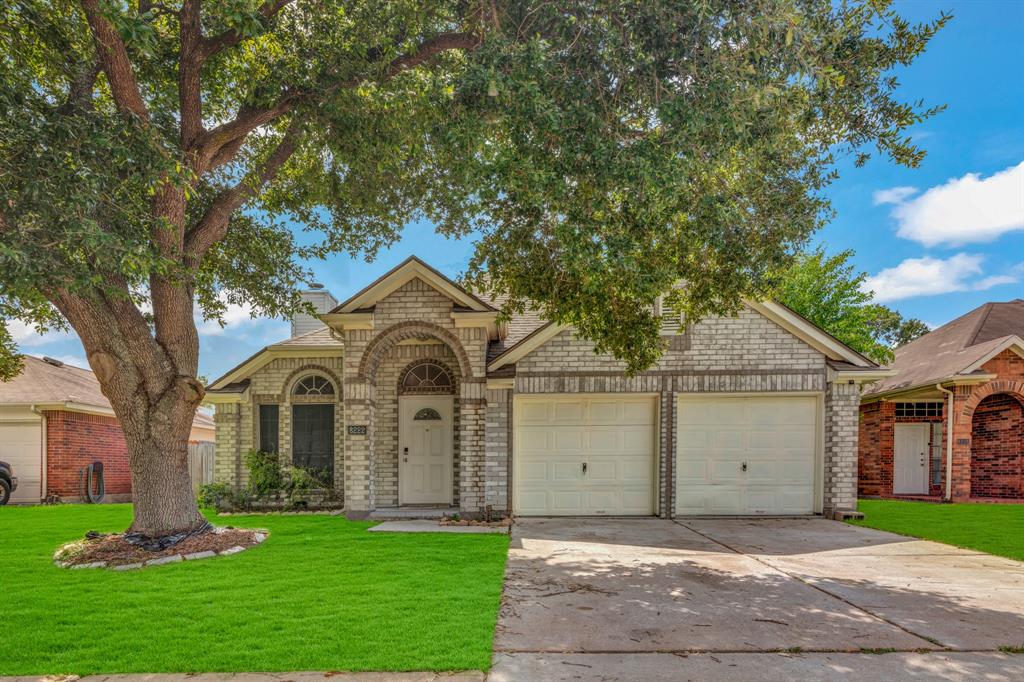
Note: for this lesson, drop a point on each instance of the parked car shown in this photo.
(8, 483)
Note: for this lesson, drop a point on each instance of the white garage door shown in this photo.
(20, 447)
(754, 455)
(584, 455)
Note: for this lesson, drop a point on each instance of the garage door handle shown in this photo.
(744, 467)
(584, 468)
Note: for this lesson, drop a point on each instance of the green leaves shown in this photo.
(603, 151)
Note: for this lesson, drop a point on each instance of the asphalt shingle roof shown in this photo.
(954, 347)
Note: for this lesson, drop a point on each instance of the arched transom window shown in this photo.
(427, 377)
(313, 384)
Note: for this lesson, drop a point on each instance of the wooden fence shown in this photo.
(200, 463)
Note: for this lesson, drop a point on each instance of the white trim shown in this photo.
(1014, 343)
(531, 343)
(861, 376)
(348, 320)
(67, 406)
(809, 333)
(502, 383)
(403, 274)
(477, 318)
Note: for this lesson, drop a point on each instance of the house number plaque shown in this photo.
(357, 430)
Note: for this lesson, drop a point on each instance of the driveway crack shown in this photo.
(798, 578)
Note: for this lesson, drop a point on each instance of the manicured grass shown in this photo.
(993, 528)
(320, 594)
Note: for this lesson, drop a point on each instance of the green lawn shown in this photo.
(320, 594)
(993, 528)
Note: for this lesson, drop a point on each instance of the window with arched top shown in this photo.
(427, 377)
(427, 414)
(313, 384)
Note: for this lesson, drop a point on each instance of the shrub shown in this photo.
(214, 495)
(265, 474)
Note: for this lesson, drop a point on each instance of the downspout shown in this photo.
(949, 443)
(42, 450)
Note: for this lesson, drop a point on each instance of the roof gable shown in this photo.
(409, 269)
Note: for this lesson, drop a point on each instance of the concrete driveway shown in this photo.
(657, 599)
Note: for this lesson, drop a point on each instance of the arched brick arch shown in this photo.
(1014, 388)
(395, 334)
(286, 388)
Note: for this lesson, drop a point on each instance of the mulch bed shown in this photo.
(114, 550)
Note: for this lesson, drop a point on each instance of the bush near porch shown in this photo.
(992, 528)
(320, 594)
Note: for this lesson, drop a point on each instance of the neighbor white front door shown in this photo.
(425, 449)
(910, 468)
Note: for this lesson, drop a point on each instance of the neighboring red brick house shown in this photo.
(54, 421)
(972, 369)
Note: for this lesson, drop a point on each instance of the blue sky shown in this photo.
(937, 241)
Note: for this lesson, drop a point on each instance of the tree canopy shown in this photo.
(603, 150)
(829, 291)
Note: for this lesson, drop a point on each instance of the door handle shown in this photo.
(743, 467)
(584, 468)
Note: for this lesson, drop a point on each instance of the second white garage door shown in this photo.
(746, 455)
(584, 455)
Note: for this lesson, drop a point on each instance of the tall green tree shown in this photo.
(152, 151)
(830, 292)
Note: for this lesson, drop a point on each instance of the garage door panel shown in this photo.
(616, 439)
(774, 436)
(20, 446)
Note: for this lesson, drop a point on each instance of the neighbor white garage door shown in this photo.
(746, 455)
(20, 447)
(584, 455)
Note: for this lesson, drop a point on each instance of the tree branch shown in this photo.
(214, 44)
(251, 118)
(114, 58)
(190, 65)
(212, 227)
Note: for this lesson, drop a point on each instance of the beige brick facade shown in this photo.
(416, 322)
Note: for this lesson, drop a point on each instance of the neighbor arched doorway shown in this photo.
(997, 447)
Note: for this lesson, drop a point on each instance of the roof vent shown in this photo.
(53, 361)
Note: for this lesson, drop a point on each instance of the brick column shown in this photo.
(472, 438)
(961, 434)
(496, 450)
(842, 405)
(227, 438)
(360, 410)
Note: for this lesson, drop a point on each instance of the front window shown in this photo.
(269, 428)
(426, 377)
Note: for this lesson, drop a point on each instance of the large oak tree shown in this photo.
(152, 154)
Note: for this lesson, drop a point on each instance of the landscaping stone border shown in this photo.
(258, 536)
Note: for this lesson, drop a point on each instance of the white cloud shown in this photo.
(930, 276)
(893, 195)
(235, 316)
(25, 335)
(964, 210)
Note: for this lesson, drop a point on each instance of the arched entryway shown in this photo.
(997, 447)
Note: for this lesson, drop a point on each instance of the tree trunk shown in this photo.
(164, 500)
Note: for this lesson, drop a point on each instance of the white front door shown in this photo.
(739, 455)
(910, 468)
(425, 449)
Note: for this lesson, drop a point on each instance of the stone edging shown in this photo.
(259, 535)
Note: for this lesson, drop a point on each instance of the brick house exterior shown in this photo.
(972, 370)
(55, 421)
(540, 424)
